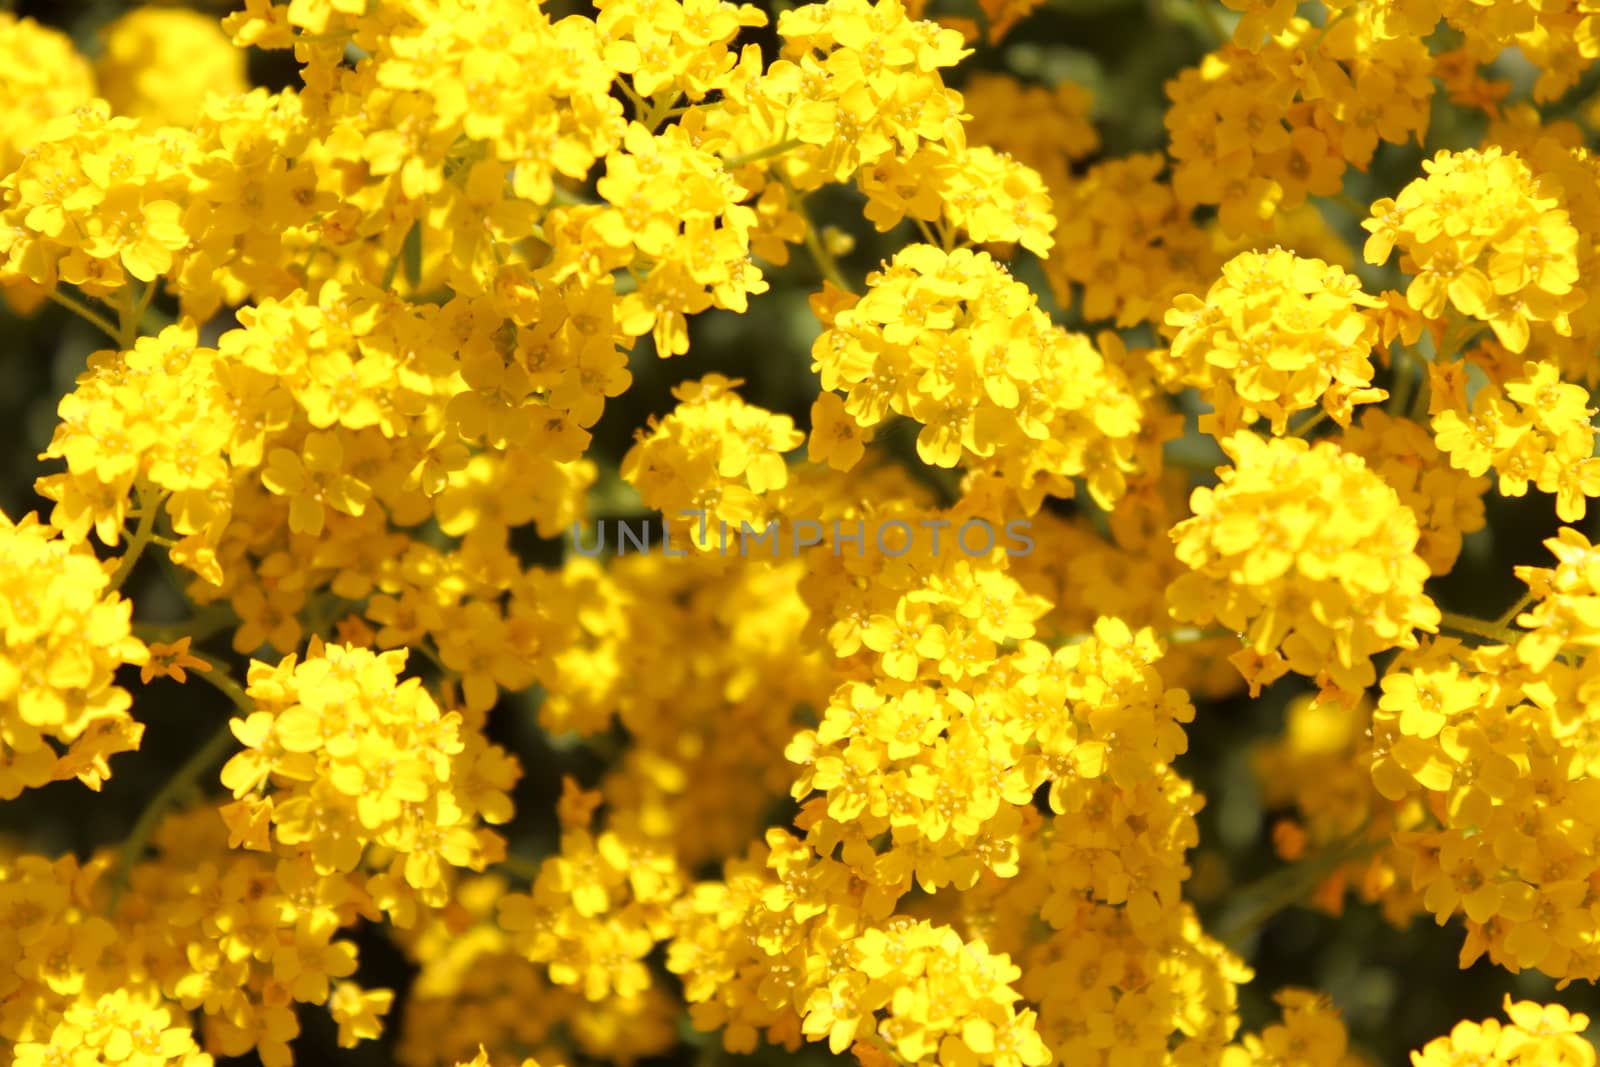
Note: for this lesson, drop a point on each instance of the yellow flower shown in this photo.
(313, 480)
(835, 438)
(62, 635)
(357, 760)
(356, 1010)
(159, 63)
(1275, 335)
(41, 78)
(954, 342)
(713, 460)
(169, 661)
(1530, 427)
(1307, 553)
(1481, 234)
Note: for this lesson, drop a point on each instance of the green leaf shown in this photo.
(411, 254)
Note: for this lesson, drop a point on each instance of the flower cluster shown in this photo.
(63, 633)
(1309, 556)
(1447, 501)
(1275, 335)
(789, 955)
(44, 77)
(1536, 1034)
(474, 991)
(1529, 426)
(1483, 239)
(200, 928)
(347, 761)
(1496, 742)
(715, 455)
(955, 343)
(159, 64)
(597, 909)
(1260, 125)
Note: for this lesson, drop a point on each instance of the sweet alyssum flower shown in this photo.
(1309, 555)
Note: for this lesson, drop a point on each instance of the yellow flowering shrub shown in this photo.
(924, 533)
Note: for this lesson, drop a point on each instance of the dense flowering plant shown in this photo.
(343, 439)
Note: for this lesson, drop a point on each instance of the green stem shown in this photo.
(704, 105)
(392, 271)
(566, 198)
(1506, 620)
(819, 254)
(185, 779)
(129, 311)
(872, 1037)
(86, 313)
(1285, 888)
(1310, 424)
(222, 681)
(1498, 632)
(1405, 379)
(433, 657)
(1189, 635)
(1456, 335)
(1468, 624)
(823, 258)
(149, 501)
(1419, 403)
(735, 162)
(207, 622)
(657, 112)
(520, 867)
(1351, 204)
(145, 300)
(634, 98)
(1213, 25)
